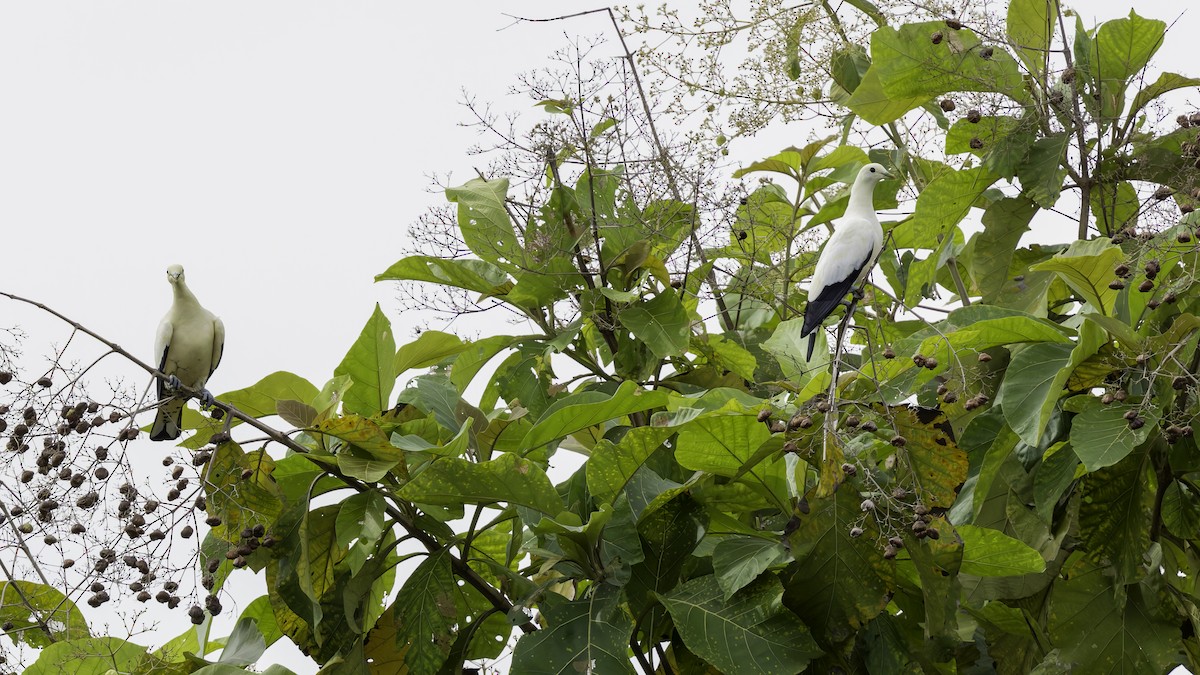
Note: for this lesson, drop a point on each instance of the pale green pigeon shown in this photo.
(188, 347)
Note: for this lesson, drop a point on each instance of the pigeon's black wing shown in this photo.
(827, 300)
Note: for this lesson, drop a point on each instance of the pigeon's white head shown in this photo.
(175, 274)
(871, 174)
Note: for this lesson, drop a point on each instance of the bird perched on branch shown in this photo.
(847, 256)
(188, 347)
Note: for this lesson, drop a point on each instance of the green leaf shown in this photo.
(931, 458)
(989, 129)
(1181, 510)
(1032, 386)
(838, 582)
(262, 398)
(474, 356)
(583, 636)
(55, 611)
(472, 275)
(732, 356)
(1107, 629)
(259, 611)
(1165, 83)
(1041, 174)
(1030, 25)
(245, 644)
(1004, 223)
(483, 220)
(425, 614)
(509, 479)
(738, 560)
(988, 333)
(611, 465)
(1124, 46)
(95, 656)
(662, 324)
(307, 561)
(1116, 206)
(870, 102)
(751, 633)
(940, 206)
(1087, 267)
(789, 350)
(369, 363)
(1101, 435)
(362, 433)
(360, 517)
(724, 445)
(909, 64)
(989, 553)
(435, 395)
(430, 348)
(241, 502)
(1114, 515)
(589, 408)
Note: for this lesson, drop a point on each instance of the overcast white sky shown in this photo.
(277, 150)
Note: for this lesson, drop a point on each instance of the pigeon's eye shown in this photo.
(872, 170)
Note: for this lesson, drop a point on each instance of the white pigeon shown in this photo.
(846, 259)
(188, 347)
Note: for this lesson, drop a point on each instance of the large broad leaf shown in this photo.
(934, 463)
(662, 324)
(425, 614)
(35, 610)
(909, 64)
(1101, 435)
(370, 365)
(988, 333)
(245, 644)
(989, 553)
(1165, 83)
(474, 356)
(1030, 25)
(611, 465)
(590, 408)
(262, 398)
(509, 479)
(1107, 629)
(725, 445)
(1115, 206)
(838, 582)
(360, 521)
(431, 347)
(1004, 222)
(738, 560)
(789, 349)
(669, 534)
(1041, 173)
(241, 502)
(1124, 46)
(472, 275)
(95, 656)
(940, 206)
(306, 563)
(1114, 516)
(750, 633)
(1032, 386)
(870, 102)
(584, 636)
(483, 221)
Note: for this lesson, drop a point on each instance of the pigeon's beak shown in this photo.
(887, 175)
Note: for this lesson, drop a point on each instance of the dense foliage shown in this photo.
(1010, 487)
